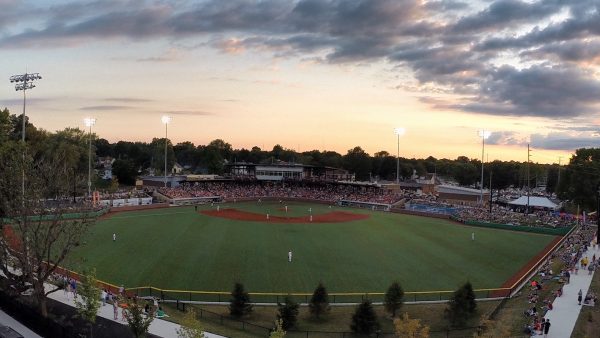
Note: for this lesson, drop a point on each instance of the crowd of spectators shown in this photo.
(319, 192)
(568, 259)
(124, 194)
(504, 215)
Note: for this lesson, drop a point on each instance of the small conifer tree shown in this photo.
(364, 320)
(461, 306)
(319, 302)
(240, 302)
(288, 313)
(393, 299)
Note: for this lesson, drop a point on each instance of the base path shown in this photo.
(330, 217)
(566, 308)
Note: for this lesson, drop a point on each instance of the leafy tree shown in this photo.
(137, 319)
(364, 320)
(278, 332)
(36, 246)
(393, 298)
(125, 171)
(186, 153)
(158, 154)
(88, 305)
(319, 302)
(410, 328)
(358, 162)
(190, 326)
(461, 306)
(240, 302)
(288, 313)
(6, 125)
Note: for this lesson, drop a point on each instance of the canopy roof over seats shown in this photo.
(534, 201)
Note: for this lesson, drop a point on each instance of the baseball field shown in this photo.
(349, 250)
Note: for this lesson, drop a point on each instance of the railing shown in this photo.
(334, 298)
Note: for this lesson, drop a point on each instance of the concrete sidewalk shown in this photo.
(566, 309)
(7, 320)
(158, 327)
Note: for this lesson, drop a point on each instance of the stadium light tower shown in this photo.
(484, 134)
(399, 132)
(89, 122)
(24, 82)
(166, 120)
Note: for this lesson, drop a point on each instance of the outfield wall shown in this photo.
(539, 230)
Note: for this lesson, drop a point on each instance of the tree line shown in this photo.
(577, 181)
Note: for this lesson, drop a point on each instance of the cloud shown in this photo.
(169, 56)
(188, 113)
(504, 12)
(538, 91)
(127, 99)
(498, 57)
(106, 108)
(506, 138)
(564, 141)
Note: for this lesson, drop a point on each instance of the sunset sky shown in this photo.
(315, 74)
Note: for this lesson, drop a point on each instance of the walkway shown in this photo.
(159, 327)
(7, 320)
(566, 309)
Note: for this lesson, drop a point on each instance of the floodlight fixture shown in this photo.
(89, 121)
(485, 134)
(166, 119)
(399, 131)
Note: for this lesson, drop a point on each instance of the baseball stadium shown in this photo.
(354, 239)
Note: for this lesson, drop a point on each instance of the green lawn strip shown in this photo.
(512, 312)
(337, 320)
(588, 322)
(178, 248)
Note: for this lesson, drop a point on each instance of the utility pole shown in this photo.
(528, 184)
(558, 180)
(491, 191)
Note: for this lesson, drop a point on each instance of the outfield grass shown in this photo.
(178, 248)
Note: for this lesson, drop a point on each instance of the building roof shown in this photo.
(451, 189)
(534, 201)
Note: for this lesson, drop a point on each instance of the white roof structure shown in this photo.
(452, 189)
(534, 201)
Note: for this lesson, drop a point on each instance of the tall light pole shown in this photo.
(89, 122)
(484, 134)
(166, 119)
(399, 132)
(24, 82)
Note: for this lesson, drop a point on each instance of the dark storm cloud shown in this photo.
(562, 141)
(462, 47)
